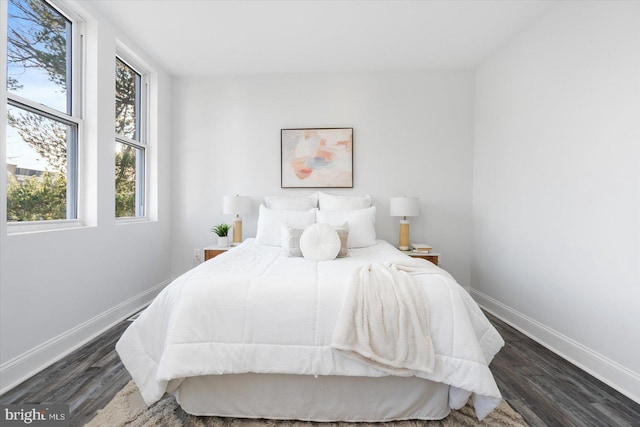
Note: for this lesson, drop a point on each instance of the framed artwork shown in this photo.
(316, 158)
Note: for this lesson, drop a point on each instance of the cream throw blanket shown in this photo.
(385, 320)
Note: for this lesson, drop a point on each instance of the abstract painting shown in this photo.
(317, 158)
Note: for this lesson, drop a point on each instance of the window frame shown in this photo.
(74, 119)
(142, 144)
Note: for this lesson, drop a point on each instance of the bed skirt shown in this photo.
(309, 398)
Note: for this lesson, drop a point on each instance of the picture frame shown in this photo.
(316, 158)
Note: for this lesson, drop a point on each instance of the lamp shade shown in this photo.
(404, 206)
(236, 205)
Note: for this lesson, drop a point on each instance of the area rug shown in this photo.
(128, 409)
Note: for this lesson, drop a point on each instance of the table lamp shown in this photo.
(404, 207)
(236, 205)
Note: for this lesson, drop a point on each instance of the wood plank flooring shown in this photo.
(544, 388)
(549, 391)
(86, 379)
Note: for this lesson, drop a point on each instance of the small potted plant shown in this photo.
(222, 231)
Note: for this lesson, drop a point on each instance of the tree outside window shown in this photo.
(43, 122)
(130, 144)
(42, 133)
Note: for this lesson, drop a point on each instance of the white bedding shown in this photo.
(253, 309)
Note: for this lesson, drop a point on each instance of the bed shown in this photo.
(250, 333)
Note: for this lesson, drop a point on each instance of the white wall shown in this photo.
(556, 199)
(412, 136)
(59, 288)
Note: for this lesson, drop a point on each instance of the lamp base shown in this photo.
(237, 231)
(404, 235)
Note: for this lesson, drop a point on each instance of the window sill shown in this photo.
(132, 220)
(28, 227)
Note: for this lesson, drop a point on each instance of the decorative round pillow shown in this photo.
(319, 242)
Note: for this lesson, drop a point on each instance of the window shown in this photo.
(130, 141)
(43, 114)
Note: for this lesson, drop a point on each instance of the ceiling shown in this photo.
(207, 37)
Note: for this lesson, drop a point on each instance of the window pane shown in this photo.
(128, 180)
(38, 54)
(38, 167)
(127, 101)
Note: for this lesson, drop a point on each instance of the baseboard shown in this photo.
(606, 370)
(24, 366)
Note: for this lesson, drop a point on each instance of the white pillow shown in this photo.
(319, 242)
(362, 230)
(329, 202)
(291, 240)
(270, 223)
(287, 203)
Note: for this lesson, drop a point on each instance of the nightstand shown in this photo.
(213, 251)
(431, 256)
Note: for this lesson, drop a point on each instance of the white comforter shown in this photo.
(253, 309)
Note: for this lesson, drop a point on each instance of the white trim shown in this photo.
(3, 119)
(24, 366)
(70, 13)
(131, 60)
(25, 227)
(77, 71)
(128, 141)
(43, 110)
(606, 370)
(131, 220)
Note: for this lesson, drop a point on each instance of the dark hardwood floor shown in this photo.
(86, 379)
(549, 391)
(544, 388)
